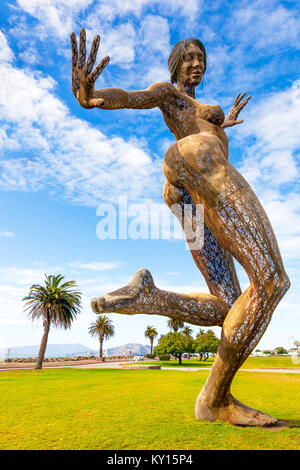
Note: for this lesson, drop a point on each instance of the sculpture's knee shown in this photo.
(172, 164)
(285, 283)
(277, 284)
(176, 198)
(172, 195)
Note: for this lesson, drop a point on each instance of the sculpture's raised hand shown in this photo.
(238, 105)
(83, 75)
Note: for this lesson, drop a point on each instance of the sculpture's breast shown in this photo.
(210, 113)
(185, 116)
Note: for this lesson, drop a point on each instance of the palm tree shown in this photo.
(175, 325)
(151, 333)
(187, 331)
(201, 332)
(56, 303)
(104, 329)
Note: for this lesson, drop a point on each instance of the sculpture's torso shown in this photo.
(185, 116)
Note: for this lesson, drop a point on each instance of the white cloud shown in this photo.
(55, 15)
(30, 56)
(274, 121)
(67, 153)
(16, 281)
(121, 38)
(14, 286)
(270, 139)
(96, 265)
(264, 25)
(274, 129)
(6, 54)
(119, 8)
(155, 34)
(117, 41)
(21, 276)
(60, 17)
(5, 234)
(155, 73)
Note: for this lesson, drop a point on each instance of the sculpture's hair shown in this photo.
(177, 55)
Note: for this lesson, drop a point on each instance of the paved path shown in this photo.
(118, 365)
(101, 365)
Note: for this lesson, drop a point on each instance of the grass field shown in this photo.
(250, 363)
(137, 409)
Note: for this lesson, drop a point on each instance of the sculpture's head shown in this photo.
(187, 62)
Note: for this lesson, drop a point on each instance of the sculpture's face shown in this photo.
(192, 66)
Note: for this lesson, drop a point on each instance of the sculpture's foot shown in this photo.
(233, 412)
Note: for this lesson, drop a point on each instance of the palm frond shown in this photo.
(102, 327)
(174, 324)
(150, 332)
(56, 302)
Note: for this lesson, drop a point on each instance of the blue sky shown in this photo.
(58, 161)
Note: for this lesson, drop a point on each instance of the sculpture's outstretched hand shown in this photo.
(238, 105)
(83, 75)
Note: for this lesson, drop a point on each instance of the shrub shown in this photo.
(165, 357)
(150, 356)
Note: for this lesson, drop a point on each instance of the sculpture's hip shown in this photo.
(194, 158)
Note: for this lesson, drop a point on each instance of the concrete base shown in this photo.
(139, 366)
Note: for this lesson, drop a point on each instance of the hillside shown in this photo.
(129, 348)
(53, 350)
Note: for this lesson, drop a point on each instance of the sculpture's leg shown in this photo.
(237, 219)
(214, 262)
(142, 296)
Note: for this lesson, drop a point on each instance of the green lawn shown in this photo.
(136, 409)
(251, 363)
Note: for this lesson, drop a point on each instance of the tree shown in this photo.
(205, 343)
(103, 329)
(297, 344)
(174, 324)
(174, 343)
(56, 303)
(151, 333)
(280, 350)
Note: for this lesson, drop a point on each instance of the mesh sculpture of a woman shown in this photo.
(198, 172)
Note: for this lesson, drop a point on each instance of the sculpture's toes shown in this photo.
(125, 299)
(233, 412)
(98, 305)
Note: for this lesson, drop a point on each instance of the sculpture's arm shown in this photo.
(238, 105)
(116, 98)
(84, 78)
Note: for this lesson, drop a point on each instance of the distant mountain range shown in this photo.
(53, 350)
(129, 348)
(68, 350)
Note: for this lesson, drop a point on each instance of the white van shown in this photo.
(138, 358)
